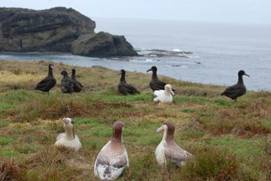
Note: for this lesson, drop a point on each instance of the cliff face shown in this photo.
(59, 30)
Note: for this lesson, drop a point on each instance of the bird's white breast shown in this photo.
(74, 144)
(110, 159)
(162, 96)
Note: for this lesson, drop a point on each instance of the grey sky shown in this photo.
(232, 11)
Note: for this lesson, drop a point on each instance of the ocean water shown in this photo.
(198, 52)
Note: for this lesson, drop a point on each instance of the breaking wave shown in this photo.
(164, 53)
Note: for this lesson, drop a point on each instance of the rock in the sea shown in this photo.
(102, 44)
(57, 30)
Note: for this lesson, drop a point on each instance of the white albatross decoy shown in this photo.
(68, 139)
(168, 150)
(164, 96)
(113, 158)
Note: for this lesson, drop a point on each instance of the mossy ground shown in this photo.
(229, 140)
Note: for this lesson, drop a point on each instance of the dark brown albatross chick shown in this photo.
(238, 89)
(77, 85)
(155, 83)
(125, 88)
(67, 84)
(48, 82)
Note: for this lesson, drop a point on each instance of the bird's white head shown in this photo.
(162, 128)
(168, 129)
(68, 126)
(68, 121)
(168, 88)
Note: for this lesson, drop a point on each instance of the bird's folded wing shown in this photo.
(176, 154)
(60, 136)
(45, 82)
(131, 88)
(233, 90)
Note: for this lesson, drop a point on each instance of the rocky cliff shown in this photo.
(57, 30)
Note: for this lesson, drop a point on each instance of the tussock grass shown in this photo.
(10, 171)
(229, 140)
(211, 163)
(246, 118)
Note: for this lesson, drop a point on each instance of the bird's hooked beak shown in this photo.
(160, 129)
(121, 72)
(172, 93)
(246, 75)
(149, 70)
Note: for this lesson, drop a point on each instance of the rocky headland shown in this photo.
(57, 30)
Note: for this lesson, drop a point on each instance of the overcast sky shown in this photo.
(231, 11)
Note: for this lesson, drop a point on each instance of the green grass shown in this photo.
(5, 140)
(8, 153)
(109, 96)
(227, 139)
(244, 148)
(267, 123)
(4, 123)
(192, 99)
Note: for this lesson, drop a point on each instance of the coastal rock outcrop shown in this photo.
(102, 44)
(57, 30)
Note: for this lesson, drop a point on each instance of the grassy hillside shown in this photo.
(230, 140)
